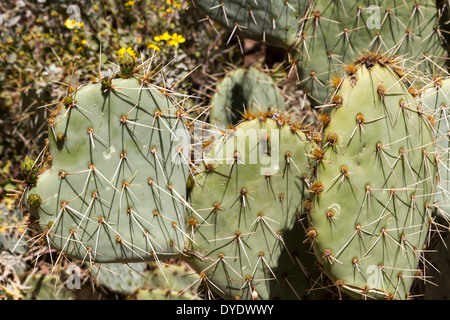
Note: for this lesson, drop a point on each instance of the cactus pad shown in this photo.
(250, 245)
(372, 213)
(272, 22)
(241, 91)
(337, 32)
(116, 185)
(435, 101)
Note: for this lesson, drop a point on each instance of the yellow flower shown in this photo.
(173, 3)
(82, 43)
(176, 39)
(153, 46)
(164, 37)
(130, 3)
(129, 50)
(71, 24)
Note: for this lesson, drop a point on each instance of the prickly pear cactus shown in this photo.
(248, 243)
(434, 99)
(326, 35)
(120, 278)
(149, 281)
(114, 190)
(272, 22)
(170, 282)
(47, 287)
(374, 185)
(336, 32)
(244, 91)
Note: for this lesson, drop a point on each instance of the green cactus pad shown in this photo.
(116, 186)
(149, 280)
(326, 35)
(250, 245)
(244, 91)
(435, 101)
(120, 278)
(371, 213)
(47, 287)
(274, 22)
(337, 32)
(170, 282)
